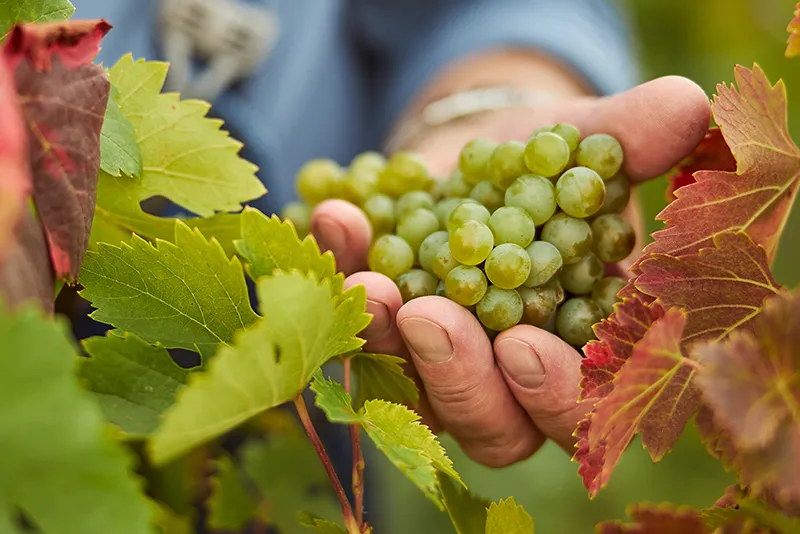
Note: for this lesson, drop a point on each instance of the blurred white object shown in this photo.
(232, 37)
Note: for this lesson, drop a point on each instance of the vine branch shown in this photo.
(358, 457)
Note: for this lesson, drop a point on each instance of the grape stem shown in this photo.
(358, 457)
(347, 512)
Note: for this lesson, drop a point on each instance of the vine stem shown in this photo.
(358, 457)
(347, 512)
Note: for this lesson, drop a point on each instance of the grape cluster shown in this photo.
(519, 233)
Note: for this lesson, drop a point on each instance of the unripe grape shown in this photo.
(405, 171)
(319, 180)
(604, 293)
(369, 161)
(390, 255)
(568, 133)
(379, 209)
(465, 285)
(574, 320)
(416, 225)
(534, 194)
(413, 200)
(487, 194)
(602, 153)
(473, 161)
(618, 193)
(507, 163)
(539, 304)
(416, 283)
(572, 237)
(510, 224)
(580, 277)
(546, 154)
(467, 211)
(429, 247)
(471, 242)
(358, 185)
(546, 263)
(443, 262)
(580, 192)
(613, 238)
(499, 309)
(508, 266)
(456, 187)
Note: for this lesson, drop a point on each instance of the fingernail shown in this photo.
(521, 363)
(330, 234)
(427, 340)
(381, 322)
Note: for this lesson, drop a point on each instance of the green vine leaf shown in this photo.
(381, 376)
(508, 517)
(185, 295)
(12, 13)
(231, 505)
(49, 426)
(395, 430)
(466, 511)
(322, 526)
(268, 364)
(119, 151)
(134, 381)
(268, 244)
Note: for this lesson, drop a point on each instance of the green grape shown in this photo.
(445, 207)
(405, 171)
(467, 211)
(507, 163)
(455, 186)
(574, 320)
(473, 161)
(534, 194)
(380, 212)
(510, 224)
(613, 238)
(539, 304)
(390, 255)
(488, 195)
(555, 286)
(618, 193)
(416, 283)
(508, 266)
(546, 154)
(465, 285)
(411, 201)
(568, 133)
(300, 215)
(580, 192)
(602, 153)
(429, 247)
(540, 129)
(443, 262)
(441, 291)
(371, 162)
(471, 242)
(318, 180)
(500, 309)
(546, 263)
(572, 237)
(580, 277)
(604, 293)
(550, 325)
(358, 185)
(416, 225)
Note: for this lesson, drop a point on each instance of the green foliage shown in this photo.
(119, 151)
(381, 376)
(13, 12)
(322, 526)
(230, 506)
(507, 517)
(466, 511)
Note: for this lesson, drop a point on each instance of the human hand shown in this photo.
(501, 400)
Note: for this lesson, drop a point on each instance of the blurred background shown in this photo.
(703, 40)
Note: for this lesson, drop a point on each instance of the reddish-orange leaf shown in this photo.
(652, 395)
(751, 382)
(721, 288)
(717, 440)
(63, 98)
(757, 197)
(657, 519)
(793, 46)
(712, 154)
(26, 274)
(616, 337)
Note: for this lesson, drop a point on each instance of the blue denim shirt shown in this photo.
(342, 70)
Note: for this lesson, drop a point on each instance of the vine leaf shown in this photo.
(50, 424)
(186, 156)
(322, 526)
(722, 289)
(268, 364)
(292, 482)
(268, 244)
(396, 432)
(133, 381)
(750, 383)
(739, 513)
(12, 13)
(657, 519)
(508, 517)
(230, 505)
(711, 154)
(63, 98)
(466, 511)
(185, 295)
(652, 395)
(119, 151)
(381, 376)
(755, 199)
(793, 45)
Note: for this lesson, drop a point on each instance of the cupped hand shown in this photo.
(501, 400)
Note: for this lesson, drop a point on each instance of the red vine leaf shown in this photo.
(26, 275)
(63, 99)
(711, 154)
(657, 519)
(755, 199)
(652, 395)
(721, 288)
(793, 46)
(751, 382)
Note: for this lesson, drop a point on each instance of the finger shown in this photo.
(343, 229)
(382, 335)
(465, 388)
(543, 374)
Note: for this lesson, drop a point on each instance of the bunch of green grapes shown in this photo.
(519, 233)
